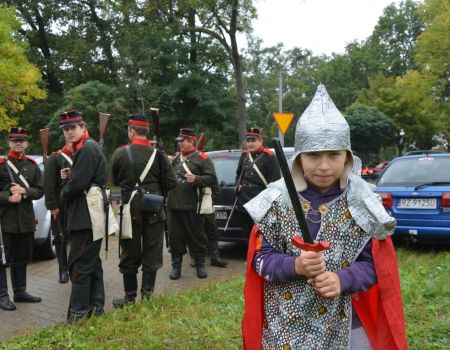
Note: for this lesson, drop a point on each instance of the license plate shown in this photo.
(221, 215)
(417, 203)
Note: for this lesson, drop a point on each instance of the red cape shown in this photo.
(379, 309)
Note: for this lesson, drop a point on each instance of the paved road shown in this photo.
(42, 281)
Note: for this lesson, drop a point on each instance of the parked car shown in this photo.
(43, 237)
(415, 190)
(373, 170)
(226, 163)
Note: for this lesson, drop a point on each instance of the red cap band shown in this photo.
(138, 122)
(68, 120)
(188, 136)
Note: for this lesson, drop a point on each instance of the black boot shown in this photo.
(177, 261)
(200, 267)
(130, 287)
(19, 283)
(5, 302)
(213, 250)
(79, 303)
(63, 268)
(148, 284)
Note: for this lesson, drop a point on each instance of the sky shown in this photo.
(323, 26)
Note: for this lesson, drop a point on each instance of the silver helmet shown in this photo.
(321, 128)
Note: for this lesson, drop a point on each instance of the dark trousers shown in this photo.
(186, 229)
(145, 248)
(247, 223)
(211, 231)
(18, 248)
(85, 266)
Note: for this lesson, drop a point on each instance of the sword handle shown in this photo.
(315, 247)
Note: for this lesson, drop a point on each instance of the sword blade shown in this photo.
(296, 205)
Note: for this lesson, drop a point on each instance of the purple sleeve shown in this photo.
(360, 275)
(272, 265)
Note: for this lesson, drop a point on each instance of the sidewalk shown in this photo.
(42, 281)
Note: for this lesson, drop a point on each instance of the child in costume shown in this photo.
(346, 297)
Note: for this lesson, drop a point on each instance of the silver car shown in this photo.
(43, 237)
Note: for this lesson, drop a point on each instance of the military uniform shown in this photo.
(146, 245)
(52, 188)
(89, 170)
(252, 183)
(186, 224)
(18, 221)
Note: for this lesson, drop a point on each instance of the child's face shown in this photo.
(324, 168)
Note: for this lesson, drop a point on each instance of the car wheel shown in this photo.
(47, 250)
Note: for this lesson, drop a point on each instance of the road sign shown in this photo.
(283, 120)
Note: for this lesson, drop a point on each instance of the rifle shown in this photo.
(2, 247)
(201, 141)
(44, 134)
(103, 122)
(160, 148)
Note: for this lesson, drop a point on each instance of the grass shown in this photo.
(209, 317)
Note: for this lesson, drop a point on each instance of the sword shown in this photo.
(305, 243)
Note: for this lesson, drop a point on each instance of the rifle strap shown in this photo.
(12, 167)
(261, 176)
(133, 165)
(67, 158)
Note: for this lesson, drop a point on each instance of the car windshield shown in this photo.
(226, 170)
(416, 171)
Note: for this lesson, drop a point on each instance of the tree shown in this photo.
(221, 20)
(370, 129)
(91, 98)
(18, 78)
(393, 40)
(407, 102)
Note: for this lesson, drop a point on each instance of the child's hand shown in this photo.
(327, 284)
(309, 264)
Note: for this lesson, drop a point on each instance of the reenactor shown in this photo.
(187, 202)
(144, 175)
(20, 184)
(257, 167)
(212, 234)
(86, 178)
(52, 187)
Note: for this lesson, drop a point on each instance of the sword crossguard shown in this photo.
(314, 247)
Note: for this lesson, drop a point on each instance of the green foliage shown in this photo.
(92, 98)
(18, 78)
(392, 42)
(210, 317)
(370, 129)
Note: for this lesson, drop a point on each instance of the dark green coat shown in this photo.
(19, 218)
(52, 180)
(186, 195)
(122, 173)
(89, 168)
(252, 184)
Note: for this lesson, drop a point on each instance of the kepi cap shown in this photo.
(186, 133)
(138, 120)
(68, 118)
(253, 133)
(18, 133)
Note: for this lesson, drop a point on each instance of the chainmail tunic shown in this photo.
(296, 317)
